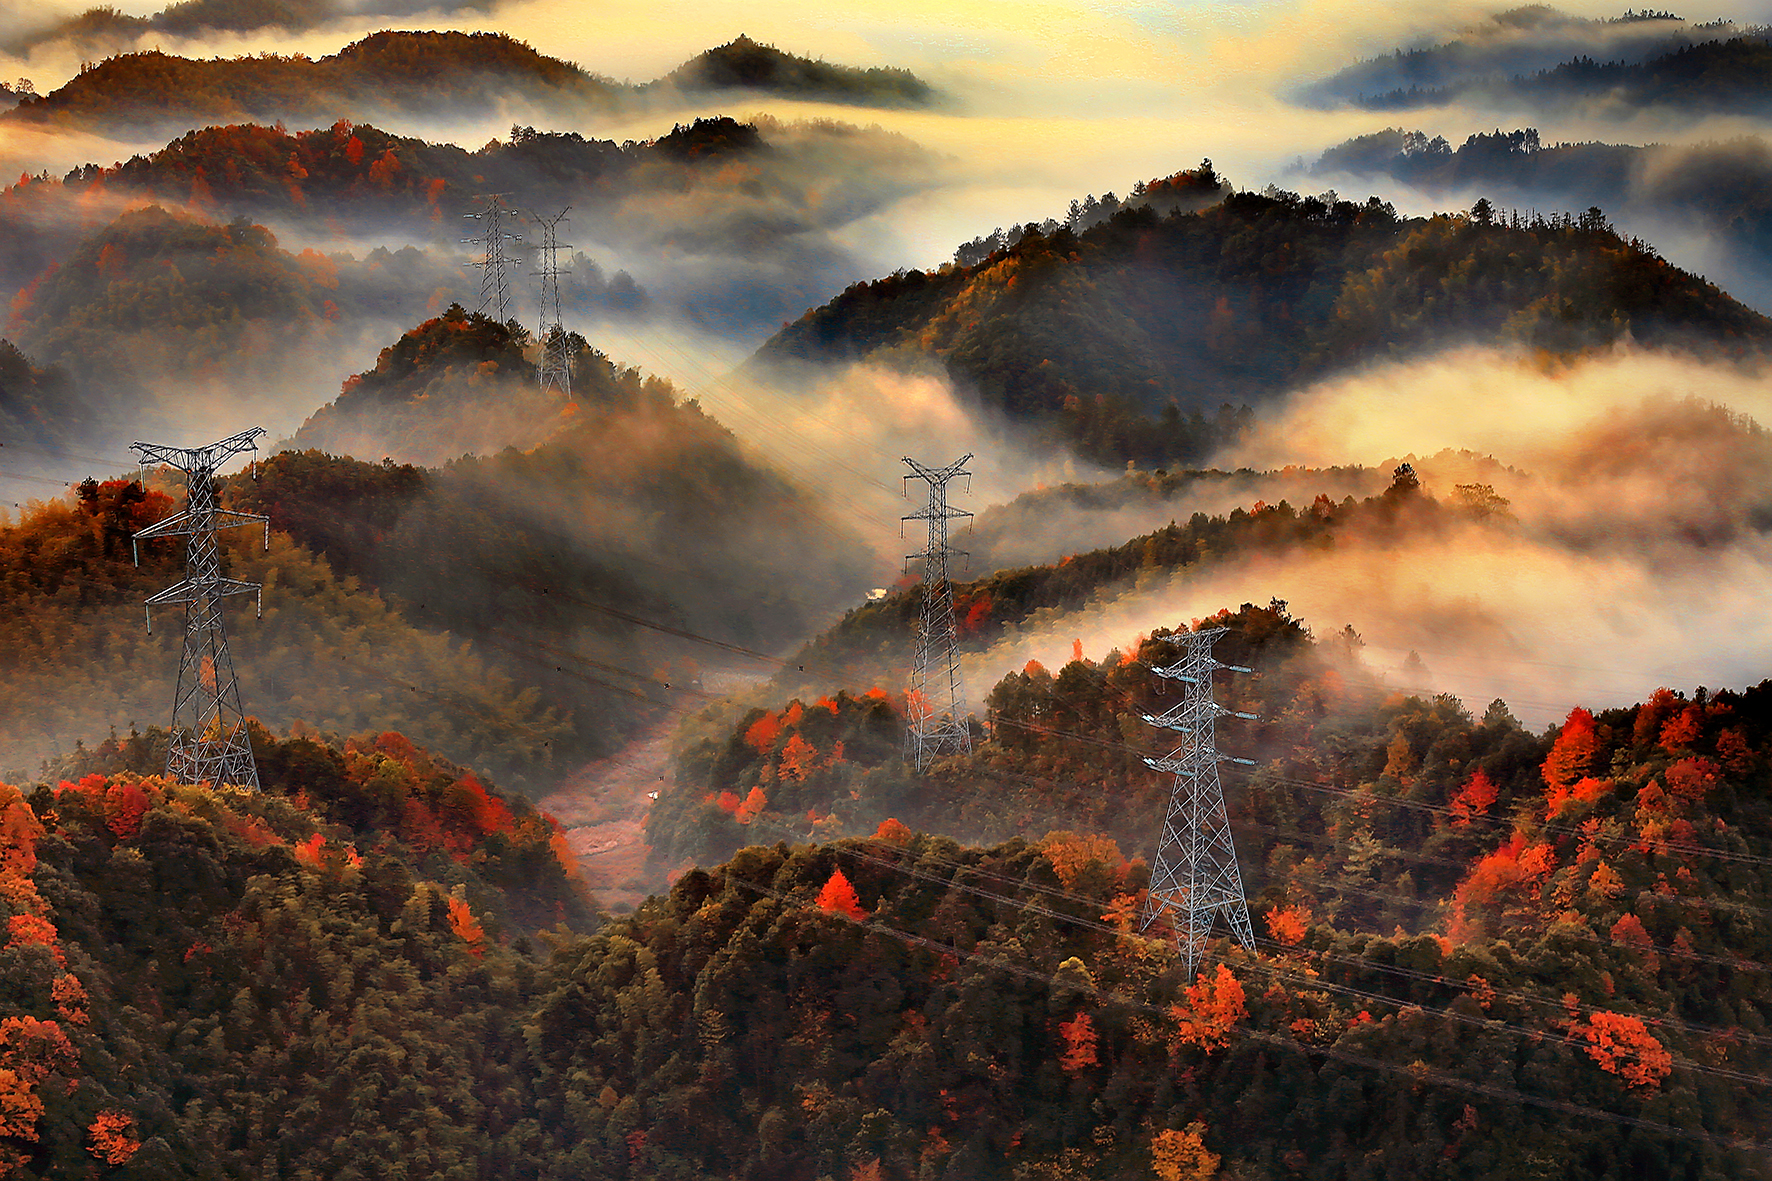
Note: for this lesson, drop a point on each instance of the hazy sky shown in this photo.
(1051, 100)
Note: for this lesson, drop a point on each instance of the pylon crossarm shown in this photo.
(183, 524)
(213, 455)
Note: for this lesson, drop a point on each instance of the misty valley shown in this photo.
(896, 599)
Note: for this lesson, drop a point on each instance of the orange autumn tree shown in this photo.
(753, 803)
(1078, 1035)
(111, 1141)
(839, 896)
(1214, 1005)
(1180, 1155)
(466, 927)
(1070, 853)
(1473, 799)
(1287, 924)
(798, 758)
(1572, 753)
(1623, 1046)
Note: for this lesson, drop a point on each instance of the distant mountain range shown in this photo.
(1541, 59)
(395, 74)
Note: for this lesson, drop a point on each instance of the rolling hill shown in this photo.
(1112, 338)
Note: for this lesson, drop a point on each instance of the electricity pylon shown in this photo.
(1196, 874)
(936, 723)
(495, 293)
(207, 741)
(555, 370)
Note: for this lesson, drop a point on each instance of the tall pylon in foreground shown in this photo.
(207, 741)
(495, 291)
(555, 370)
(936, 723)
(1196, 875)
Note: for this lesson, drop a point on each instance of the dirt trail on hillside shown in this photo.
(603, 805)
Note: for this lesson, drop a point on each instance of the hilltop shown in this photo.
(385, 74)
(394, 75)
(1111, 339)
(744, 64)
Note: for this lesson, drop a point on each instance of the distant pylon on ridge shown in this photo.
(936, 695)
(1196, 874)
(207, 740)
(495, 292)
(555, 369)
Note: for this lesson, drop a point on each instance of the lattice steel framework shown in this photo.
(555, 370)
(495, 292)
(936, 723)
(1196, 875)
(207, 741)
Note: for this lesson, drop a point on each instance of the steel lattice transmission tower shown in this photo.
(936, 723)
(207, 741)
(555, 370)
(495, 292)
(1196, 875)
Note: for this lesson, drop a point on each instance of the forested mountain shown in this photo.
(394, 75)
(745, 64)
(385, 74)
(624, 493)
(1721, 188)
(329, 978)
(743, 214)
(156, 312)
(1506, 55)
(529, 573)
(1462, 927)
(1712, 75)
(327, 654)
(35, 403)
(1095, 335)
(1457, 918)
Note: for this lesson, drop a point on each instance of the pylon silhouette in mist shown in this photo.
(207, 740)
(1196, 874)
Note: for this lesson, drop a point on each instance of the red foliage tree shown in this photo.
(1622, 1045)
(110, 1138)
(1473, 799)
(1214, 1005)
(1572, 753)
(1682, 729)
(839, 896)
(798, 758)
(763, 732)
(125, 804)
(1078, 1035)
(1690, 778)
(893, 832)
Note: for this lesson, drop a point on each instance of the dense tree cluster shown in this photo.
(328, 979)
